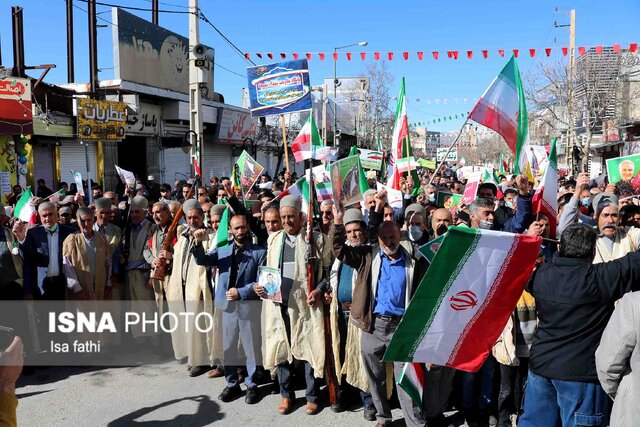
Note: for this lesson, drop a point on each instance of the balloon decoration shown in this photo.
(452, 54)
(23, 170)
(22, 160)
(22, 152)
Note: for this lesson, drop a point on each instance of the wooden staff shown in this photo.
(284, 144)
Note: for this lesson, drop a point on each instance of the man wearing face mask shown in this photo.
(507, 208)
(42, 251)
(482, 211)
(386, 277)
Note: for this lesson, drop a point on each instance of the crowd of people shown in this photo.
(557, 362)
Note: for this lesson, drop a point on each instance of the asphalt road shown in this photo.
(154, 395)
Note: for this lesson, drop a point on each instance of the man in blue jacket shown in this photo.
(237, 265)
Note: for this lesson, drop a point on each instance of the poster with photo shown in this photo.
(626, 169)
(269, 278)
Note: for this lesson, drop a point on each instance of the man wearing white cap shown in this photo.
(294, 329)
(137, 268)
(188, 291)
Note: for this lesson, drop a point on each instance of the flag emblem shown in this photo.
(463, 300)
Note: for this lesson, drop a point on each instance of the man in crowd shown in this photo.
(570, 292)
(272, 221)
(386, 278)
(237, 265)
(188, 291)
(344, 334)
(135, 265)
(43, 190)
(87, 260)
(326, 211)
(42, 252)
(295, 327)
(155, 255)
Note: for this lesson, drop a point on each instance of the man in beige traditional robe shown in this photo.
(189, 291)
(113, 234)
(155, 255)
(137, 268)
(294, 329)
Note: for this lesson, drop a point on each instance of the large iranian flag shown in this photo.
(300, 189)
(465, 299)
(503, 108)
(545, 200)
(401, 152)
(308, 144)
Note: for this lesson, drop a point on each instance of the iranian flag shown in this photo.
(308, 144)
(412, 382)
(491, 178)
(503, 108)
(545, 199)
(401, 147)
(322, 183)
(406, 164)
(456, 314)
(25, 210)
(249, 170)
(300, 189)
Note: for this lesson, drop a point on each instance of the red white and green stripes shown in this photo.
(25, 209)
(503, 108)
(412, 382)
(545, 200)
(308, 144)
(465, 299)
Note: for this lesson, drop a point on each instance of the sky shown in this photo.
(319, 26)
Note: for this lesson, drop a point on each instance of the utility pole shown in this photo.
(70, 65)
(571, 140)
(195, 97)
(324, 113)
(93, 46)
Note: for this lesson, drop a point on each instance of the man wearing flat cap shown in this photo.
(614, 241)
(294, 329)
(136, 266)
(188, 291)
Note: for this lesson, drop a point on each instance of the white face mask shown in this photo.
(485, 225)
(415, 233)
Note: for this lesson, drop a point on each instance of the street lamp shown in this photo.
(335, 87)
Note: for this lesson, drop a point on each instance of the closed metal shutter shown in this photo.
(216, 161)
(43, 164)
(175, 164)
(73, 157)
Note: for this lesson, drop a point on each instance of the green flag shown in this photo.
(222, 236)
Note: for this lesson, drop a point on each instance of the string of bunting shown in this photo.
(440, 119)
(450, 54)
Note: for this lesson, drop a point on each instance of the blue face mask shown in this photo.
(432, 197)
(585, 201)
(508, 204)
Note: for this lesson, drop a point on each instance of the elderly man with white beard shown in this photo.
(189, 291)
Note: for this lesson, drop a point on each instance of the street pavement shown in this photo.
(159, 394)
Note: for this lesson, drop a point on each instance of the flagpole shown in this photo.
(284, 144)
(448, 151)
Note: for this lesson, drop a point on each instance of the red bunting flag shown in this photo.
(565, 51)
(598, 49)
(259, 55)
(435, 55)
(470, 54)
(390, 56)
(485, 54)
(283, 55)
(335, 56)
(348, 56)
(405, 55)
(501, 52)
(532, 52)
(295, 55)
(363, 55)
(376, 56)
(420, 55)
(616, 48)
(581, 50)
(516, 52)
(547, 51)
(633, 47)
(308, 55)
(270, 55)
(321, 56)
(452, 54)
(247, 56)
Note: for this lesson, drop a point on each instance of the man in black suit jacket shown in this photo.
(42, 251)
